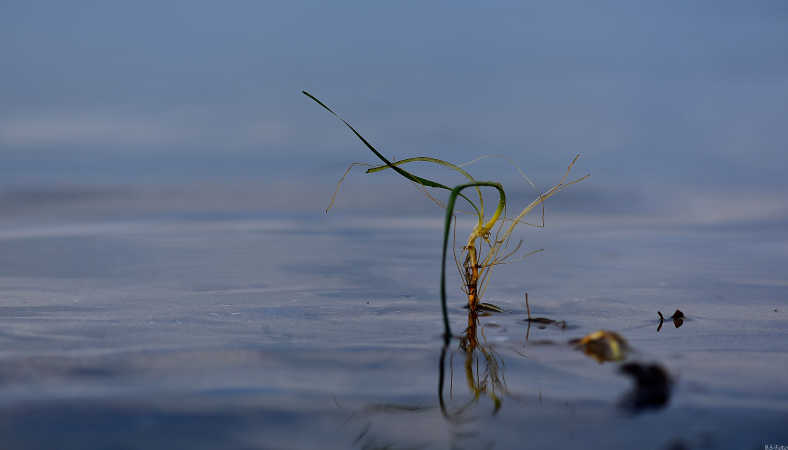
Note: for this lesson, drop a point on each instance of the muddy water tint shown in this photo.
(326, 333)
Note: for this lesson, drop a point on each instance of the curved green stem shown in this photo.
(447, 228)
(463, 172)
(496, 215)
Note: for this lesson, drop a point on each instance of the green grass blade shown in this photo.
(463, 172)
(404, 173)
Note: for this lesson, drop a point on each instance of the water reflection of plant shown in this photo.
(483, 372)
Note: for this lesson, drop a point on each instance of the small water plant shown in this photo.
(490, 236)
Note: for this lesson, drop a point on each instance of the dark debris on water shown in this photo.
(677, 318)
(652, 387)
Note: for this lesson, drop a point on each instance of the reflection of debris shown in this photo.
(603, 346)
(677, 317)
(545, 321)
(395, 408)
(542, 322)
(486, 307)
(652, 387)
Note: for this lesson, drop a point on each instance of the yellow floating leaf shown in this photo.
(603, 346)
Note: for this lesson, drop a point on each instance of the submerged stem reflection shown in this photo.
(483, 370)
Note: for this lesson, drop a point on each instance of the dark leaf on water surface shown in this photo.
(677, 317)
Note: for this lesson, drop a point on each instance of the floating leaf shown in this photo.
(603, 346)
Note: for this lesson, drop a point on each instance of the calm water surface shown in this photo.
(325, 332)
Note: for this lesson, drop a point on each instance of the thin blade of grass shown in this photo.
(441, 163)
(400, 171)
(509, 160)
(339, 183)
(503, 260)
(491, 256)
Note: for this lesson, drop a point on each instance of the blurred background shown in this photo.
(167, 272)
(166, 107)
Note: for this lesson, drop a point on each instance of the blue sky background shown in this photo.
(671, 102)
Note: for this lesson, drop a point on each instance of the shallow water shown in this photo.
(280, 331)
